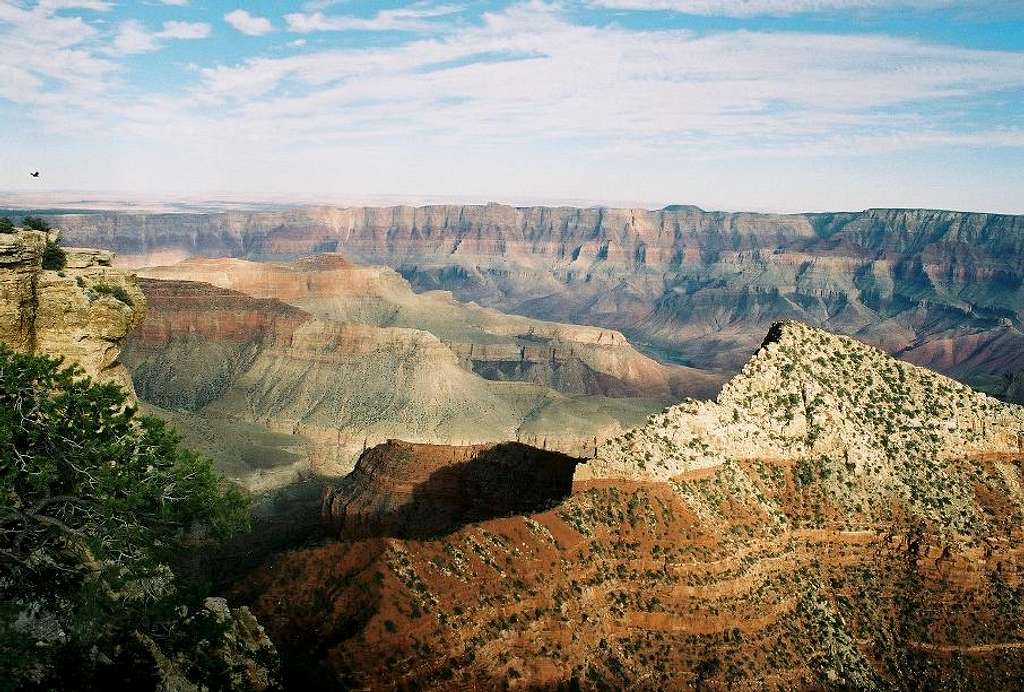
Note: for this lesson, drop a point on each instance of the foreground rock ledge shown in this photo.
(81, 313)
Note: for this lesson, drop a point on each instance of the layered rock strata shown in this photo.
(272, 390)
(691, 286)
(416, 491)
(81, 312)
(836, 519)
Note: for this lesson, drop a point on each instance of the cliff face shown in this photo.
(572, 359)
(233, 369)
(836, 519)
(418, 491)
(696, 287)
(82, 312)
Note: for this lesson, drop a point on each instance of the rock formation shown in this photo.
(271, 390)
(81, 312)
(836, 519)
(573, 359)
(417, 491)
(692, 286)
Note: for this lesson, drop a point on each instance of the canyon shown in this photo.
(504, 500)
(937, 288)
(834, 519)
(281, 370)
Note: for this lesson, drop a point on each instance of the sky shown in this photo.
(773, 105)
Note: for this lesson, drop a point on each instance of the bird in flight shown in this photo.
(34, 175)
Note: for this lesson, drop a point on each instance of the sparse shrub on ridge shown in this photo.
(54, 257)
(117, 292)
(6, 226)
(35, 223)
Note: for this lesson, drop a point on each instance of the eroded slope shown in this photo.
(572, 359)
(221, 362)
(835, 519)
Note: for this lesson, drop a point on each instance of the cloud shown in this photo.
(55, 5)
(185, 30)
(133, 36)
(176, 3)
(750, 8)
(415, 18)
(248, 24)
(561, 105)
(44, 56)
(530, 74)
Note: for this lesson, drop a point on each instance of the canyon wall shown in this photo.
(273, 391)
(81, 312)
(691, 286)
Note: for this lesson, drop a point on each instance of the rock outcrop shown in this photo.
(81, 312)
(572, 359)
(836, 519)
(695, 287)
(418, 491)
(812, 396)
(272, 391)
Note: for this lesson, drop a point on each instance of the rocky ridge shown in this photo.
(81, 312)
(836, 519)
(808, 394)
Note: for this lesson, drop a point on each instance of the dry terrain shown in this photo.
(835, 519)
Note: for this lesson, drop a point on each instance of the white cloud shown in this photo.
(562, 108)
(133, 37)
(55, 5)
(530, 73)
(45, 58)
(176, 3)
(185, 30)
(248, 24)
(415, 18)
(750, 8)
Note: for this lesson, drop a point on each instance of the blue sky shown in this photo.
(731, 104)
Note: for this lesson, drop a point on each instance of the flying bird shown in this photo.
(34, 175)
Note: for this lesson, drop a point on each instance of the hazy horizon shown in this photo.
(92, 201)
(763, 105)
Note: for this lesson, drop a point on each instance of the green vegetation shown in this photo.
(54, 257)
(97, 508)
(117, 292)
(35, 223)
(6, 226)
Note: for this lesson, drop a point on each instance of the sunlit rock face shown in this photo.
(836, 519)
(273, 391)
(698, 287)
(572, 359)
(80, 313)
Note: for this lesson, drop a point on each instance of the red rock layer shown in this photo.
(650, 586)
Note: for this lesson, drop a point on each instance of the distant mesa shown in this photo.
(688, 286)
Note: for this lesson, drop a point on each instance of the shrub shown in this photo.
(97, 506)
(54, 257)
(5, 225)
(117, 292)
(35, 223)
